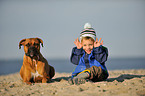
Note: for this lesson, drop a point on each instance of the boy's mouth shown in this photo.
(88, 51)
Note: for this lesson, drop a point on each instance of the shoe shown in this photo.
(76, 81)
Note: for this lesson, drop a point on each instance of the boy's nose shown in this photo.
(88, 47)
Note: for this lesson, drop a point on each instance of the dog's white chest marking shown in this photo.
(36, 74)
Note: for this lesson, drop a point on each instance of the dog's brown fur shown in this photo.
(35, 67)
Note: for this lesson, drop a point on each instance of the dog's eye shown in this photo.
(27, 45)
(36, 44)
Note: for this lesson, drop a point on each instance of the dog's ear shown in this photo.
(21, 43)
(40, 40)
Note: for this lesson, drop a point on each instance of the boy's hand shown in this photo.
(98, 43)
(78, 44)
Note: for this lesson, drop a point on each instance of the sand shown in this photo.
(119, 83)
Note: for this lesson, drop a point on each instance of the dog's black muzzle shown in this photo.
(32, 51)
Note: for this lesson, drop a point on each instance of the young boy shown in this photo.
(90, 56)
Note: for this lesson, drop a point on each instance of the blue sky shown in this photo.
(120, 23)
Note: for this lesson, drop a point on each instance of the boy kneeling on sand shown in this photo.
(90, 56)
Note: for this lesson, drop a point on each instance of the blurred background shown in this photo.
(120, 23)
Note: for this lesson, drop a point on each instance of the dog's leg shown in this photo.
(22, 73)
(27, 80)
(27, 77)
(38, 79)
(44, 80)
(52, 72)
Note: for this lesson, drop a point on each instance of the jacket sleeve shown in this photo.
(101, 54)
(76, 55)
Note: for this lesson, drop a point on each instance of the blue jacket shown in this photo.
(98, 57)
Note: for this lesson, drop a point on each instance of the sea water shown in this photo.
(64, 65)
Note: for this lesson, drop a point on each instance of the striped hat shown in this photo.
(88, 32)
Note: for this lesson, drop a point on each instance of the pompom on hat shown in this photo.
(88, 32)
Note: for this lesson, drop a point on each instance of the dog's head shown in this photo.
(31, 46)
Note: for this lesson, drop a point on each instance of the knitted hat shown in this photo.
(88, 32)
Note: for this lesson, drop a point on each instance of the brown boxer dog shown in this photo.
(35, 67)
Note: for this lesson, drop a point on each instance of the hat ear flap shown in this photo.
(40, 40)
(21, 43)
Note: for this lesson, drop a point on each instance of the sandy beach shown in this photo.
(119, 83)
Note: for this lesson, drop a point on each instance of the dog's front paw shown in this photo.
(29, 83)
(44, 80)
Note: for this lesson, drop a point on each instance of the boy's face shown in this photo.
(88, 45)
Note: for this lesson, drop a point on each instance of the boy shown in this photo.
(90, 56)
